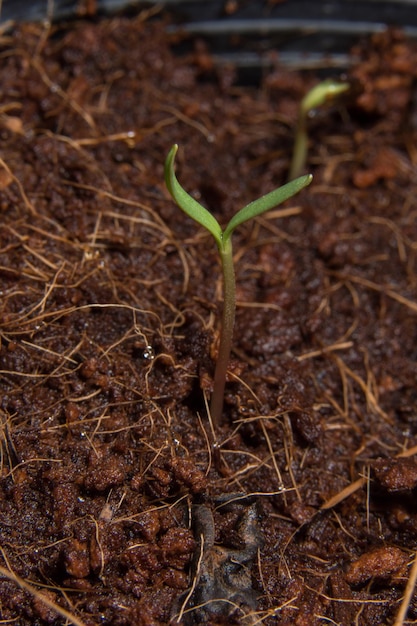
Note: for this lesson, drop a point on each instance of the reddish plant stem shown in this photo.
(226, 333)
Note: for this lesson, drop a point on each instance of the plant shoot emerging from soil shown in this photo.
(325, 92)
(223, 240)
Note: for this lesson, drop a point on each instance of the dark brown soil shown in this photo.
(113, 506)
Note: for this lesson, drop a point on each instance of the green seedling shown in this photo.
(325, 92)
(223, 240)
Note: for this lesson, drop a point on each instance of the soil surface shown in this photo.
(115, 507)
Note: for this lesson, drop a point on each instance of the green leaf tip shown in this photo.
(186, 202)
(322, 93)
(203, 217)
(267, 202)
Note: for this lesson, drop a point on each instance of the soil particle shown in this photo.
(41, 610)
(104, 473)
(177, 541)
(148, 524)
(386, 164)
(187, 474)
(396, 474)
(380, 563)
(77, 559)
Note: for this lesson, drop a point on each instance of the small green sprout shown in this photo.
(323, 93)
(223, 240)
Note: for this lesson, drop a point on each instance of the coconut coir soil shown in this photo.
(113, 506)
